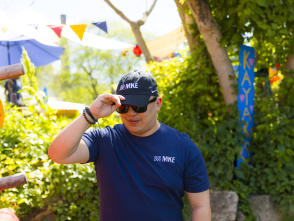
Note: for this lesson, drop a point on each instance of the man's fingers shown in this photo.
(117, 99)
(121, 97)
(112, 99)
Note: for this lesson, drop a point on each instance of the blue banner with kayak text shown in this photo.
(246, 97)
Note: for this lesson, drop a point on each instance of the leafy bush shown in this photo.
(192, 103)
(71, 190)
(273, 147)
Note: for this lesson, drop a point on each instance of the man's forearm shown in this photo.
(201, 214)
(68, 146)
(68, 140)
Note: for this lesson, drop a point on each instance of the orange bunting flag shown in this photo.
(79, 30)
(57, 29)
(1, 113)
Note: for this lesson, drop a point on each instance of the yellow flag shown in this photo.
(1, 113)
(79, 30)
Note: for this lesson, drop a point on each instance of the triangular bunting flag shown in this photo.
(79, 30)
(57, 29)
(102, 25)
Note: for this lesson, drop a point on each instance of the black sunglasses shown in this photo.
(125, 107)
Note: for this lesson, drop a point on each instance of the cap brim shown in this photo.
(137, 100)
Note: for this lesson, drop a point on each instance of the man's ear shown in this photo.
(158, 103)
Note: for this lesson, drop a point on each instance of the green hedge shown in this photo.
(192, 103)
(70, 189)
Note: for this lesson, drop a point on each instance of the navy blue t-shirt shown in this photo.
(144, 178)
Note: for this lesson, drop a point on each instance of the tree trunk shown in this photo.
(141, 42)
(209, 29)
(40, 215)
(187, 21)
(136, 28)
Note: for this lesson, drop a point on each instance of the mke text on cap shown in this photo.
(128, 86)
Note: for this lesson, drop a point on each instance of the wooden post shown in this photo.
(11, 71)
(65, 55)
(13, 181)
(7, 72)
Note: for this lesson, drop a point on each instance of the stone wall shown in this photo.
(224, 206)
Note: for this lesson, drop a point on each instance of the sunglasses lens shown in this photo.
(125, 107)
(122, 109)
(140, 109)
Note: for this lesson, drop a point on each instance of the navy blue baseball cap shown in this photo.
(137, 87)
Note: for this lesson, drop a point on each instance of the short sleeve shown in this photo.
(92, 139)
(195, 175)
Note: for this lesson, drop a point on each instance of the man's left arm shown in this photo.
(200, 205)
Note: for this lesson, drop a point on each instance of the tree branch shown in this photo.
(146, 14)
(122, 15)
(39, 215)
(85, 69)
(118, 12)
(93, 82)
(136, 29)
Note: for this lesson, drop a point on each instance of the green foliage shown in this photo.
(30, 81)
(25, 136)
(71, 189)
(192, 103)
(25, 139)
(268, 25)
(192, 85)
(273, 147)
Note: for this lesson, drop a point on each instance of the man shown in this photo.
(142, 166)
(12, 91)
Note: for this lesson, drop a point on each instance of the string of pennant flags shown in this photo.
(161, 47)
(79, 30)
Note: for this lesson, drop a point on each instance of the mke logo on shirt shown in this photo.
(165, 159)
(128, 86)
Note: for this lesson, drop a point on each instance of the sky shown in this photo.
(163, 19)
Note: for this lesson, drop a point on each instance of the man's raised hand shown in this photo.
(103, 105)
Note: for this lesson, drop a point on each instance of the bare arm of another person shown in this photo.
(68, 147)
(200, 205)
